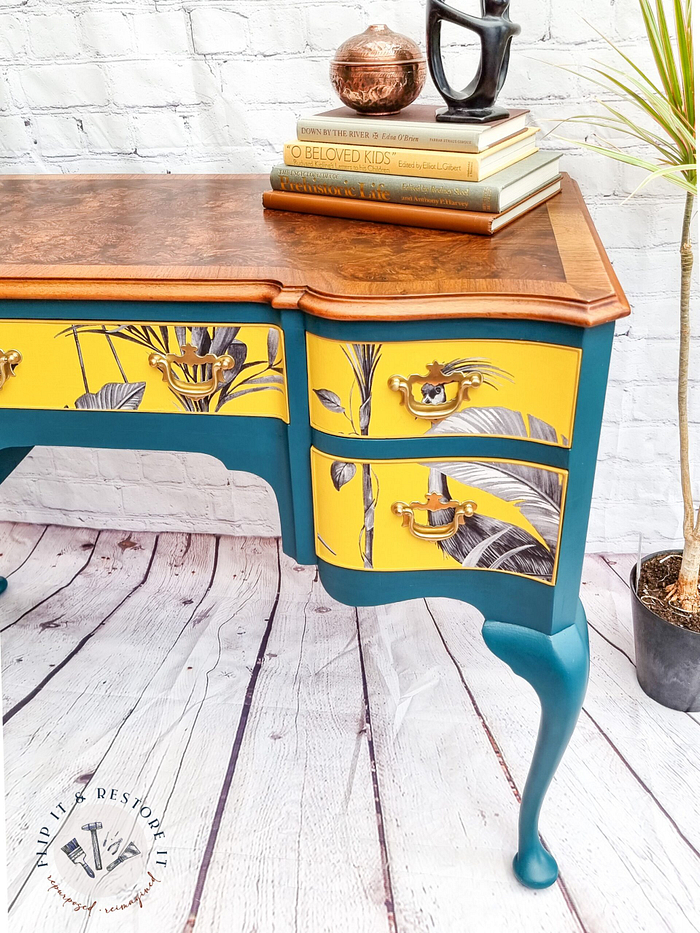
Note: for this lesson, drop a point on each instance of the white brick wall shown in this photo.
(215, 86)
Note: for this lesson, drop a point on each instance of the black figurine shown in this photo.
(475, 104)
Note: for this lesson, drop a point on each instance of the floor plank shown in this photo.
(59, 627)
(58, 557)
(606, 598)
(17, 542)
(85, 706)
(631, 720)
(622, 860)
(299, 830)
(449, 811)
(189, 711)
(319, 769)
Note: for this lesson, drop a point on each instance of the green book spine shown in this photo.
(395, 189)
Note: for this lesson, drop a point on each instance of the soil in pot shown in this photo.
(656, 574)
(667, 648)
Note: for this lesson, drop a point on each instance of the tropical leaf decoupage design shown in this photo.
(483, 541)
(526, 376)
(247, 376)
(537, 493)
(515, 527)
(502, 422)
(114, 396)
(363, 359)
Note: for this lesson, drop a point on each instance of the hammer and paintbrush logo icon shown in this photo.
(76, 853)
(107, 855)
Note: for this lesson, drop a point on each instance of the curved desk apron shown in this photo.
(425, 405)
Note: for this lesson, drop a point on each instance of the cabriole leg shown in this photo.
(10, 457)
(557, 667)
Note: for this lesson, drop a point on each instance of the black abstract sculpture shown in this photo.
(475, 104)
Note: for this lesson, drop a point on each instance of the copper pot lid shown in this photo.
(378, 45)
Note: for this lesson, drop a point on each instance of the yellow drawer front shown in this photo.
(236, 369)
(505, 388)
(503, 515)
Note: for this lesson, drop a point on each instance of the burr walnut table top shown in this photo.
(207, 238)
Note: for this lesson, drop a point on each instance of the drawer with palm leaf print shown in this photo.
(504, 388)
(236, 369)
(439, 514)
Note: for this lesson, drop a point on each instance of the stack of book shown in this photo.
(409, 169)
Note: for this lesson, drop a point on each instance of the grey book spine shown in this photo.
(393, 189)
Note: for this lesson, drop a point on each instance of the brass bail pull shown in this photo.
(8, 361)
(433, 503)
(164, 362)
(435, 376)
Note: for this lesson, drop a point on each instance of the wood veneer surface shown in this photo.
(207, 238)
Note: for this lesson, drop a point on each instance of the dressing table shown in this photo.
(425, 405)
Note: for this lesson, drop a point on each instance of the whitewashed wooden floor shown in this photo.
(326, 770)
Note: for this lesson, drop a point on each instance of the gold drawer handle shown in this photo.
(433, 503)
(190, 357)
(8, 361)
(435, 377)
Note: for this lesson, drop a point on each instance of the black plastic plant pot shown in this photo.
(668, 656)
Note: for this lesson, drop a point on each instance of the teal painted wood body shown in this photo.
(539, 630)
(557, 667)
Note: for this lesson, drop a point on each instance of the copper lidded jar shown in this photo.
(378, 72)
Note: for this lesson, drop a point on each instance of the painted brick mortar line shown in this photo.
(139, 86)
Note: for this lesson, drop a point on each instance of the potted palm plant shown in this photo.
(657, 113)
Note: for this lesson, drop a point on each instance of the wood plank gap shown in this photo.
(568, 899)
(381, 829)
(200, 707)
(206, 691)
(124, 721)
(60, 588)
(612, 643)
(180, 635)
(302, 795)
(81, 644)
(616, 572)
(36, 545)
(233, 759)
(643, 784)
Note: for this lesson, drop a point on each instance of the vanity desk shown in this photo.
(425, 405)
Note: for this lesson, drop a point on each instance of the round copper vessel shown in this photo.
(378, 72)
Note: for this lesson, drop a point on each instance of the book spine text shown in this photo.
(416, 163)
(385, 134)
(393, 189)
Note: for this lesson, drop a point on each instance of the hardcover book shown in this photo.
(434, 218)
(422, 163)
(413, 128)
(500, 192)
